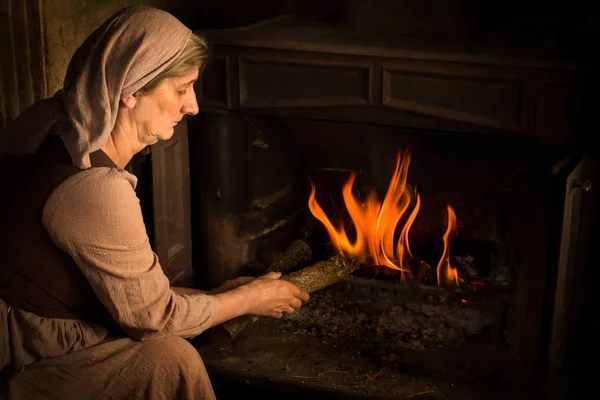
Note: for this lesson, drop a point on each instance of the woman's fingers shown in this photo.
(272, 275)
(301, 294)
(273, 297)
(242, 280)
(296, 291)
(296, 303)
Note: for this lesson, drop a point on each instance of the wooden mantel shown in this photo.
(297, 67)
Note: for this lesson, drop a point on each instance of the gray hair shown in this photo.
(195, 54)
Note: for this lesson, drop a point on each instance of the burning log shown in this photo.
(312, 278)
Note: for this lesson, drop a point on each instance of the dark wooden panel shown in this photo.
(429, 94)
(484, 101)
(557, 110)
(291, 33)
(211, 89)
(172, 230)
(269, 83)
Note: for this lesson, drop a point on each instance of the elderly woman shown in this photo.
(85, 308)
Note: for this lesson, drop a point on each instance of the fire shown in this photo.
(376, 224)
(446, 274)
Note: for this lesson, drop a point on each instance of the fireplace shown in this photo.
(484, 239)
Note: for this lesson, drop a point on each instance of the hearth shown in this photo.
(467, 265)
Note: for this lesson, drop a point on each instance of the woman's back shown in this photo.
(35, 275)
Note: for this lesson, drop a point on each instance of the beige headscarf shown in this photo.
(127, 51)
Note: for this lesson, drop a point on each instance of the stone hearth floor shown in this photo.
(268, 360)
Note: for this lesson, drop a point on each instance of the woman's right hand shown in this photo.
(270, 296)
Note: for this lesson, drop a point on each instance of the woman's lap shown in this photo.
(168, 368)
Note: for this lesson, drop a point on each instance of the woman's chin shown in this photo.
(164, 135)
(168, 134)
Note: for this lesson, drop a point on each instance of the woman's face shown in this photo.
(157, 112)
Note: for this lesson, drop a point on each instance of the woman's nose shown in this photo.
(190, 105)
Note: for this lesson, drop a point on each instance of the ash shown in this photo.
(391, 314)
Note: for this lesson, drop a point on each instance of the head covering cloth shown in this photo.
(121, 56)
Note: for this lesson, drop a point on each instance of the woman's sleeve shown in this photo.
(95, 217)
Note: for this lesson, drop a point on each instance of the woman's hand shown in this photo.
(271, 297)
(231, 284)
(265, 296)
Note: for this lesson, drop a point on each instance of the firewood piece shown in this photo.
(312, 278)
(323, 273)
(296, 254)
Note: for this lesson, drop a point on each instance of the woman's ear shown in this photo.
(129, 101)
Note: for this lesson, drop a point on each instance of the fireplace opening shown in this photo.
(454, 290)
(472, 250)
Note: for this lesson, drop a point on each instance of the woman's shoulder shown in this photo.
(99, 179)
(98, 201)
(95, 188)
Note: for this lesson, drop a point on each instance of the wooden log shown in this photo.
(323, 273)
(312, 278)
(298, 253)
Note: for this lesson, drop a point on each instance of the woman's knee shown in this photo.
(186, 375)
(178, 354)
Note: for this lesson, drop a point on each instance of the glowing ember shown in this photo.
(376, 223)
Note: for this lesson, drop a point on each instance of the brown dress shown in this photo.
(93, 217)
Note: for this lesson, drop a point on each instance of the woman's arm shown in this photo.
(228, 285)
(187, 291)
(96, 218)
(231, 303)
(266, 296)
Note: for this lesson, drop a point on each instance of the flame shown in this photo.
(446, 274)
(376, 224)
